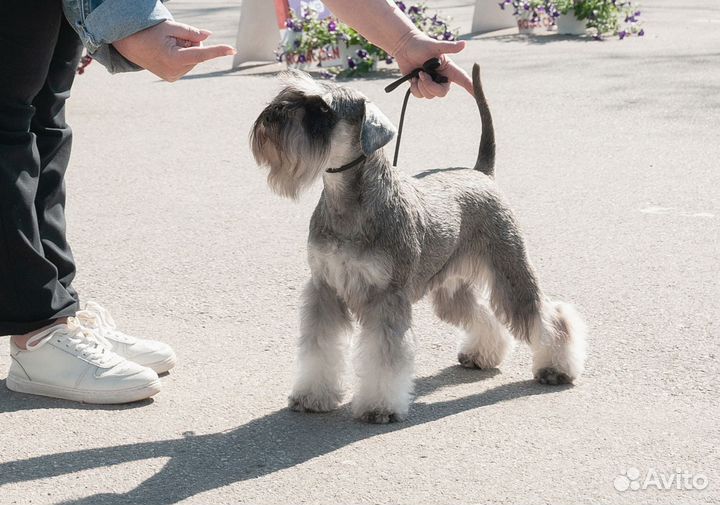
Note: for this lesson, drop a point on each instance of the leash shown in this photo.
(430, 67)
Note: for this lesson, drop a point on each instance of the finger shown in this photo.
(187, 43)
(195, 55)
(187, 32)
(433, 88)
(424, 91)
(459, 76)
(452, 47)
(184, 43)
(414, 88)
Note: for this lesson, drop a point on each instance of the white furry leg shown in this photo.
(325, 324)
(487, 342)
(383, 359)
(558, 344)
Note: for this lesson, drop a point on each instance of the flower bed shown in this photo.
(338, 50)
(601, 17)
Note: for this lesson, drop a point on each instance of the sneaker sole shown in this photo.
(161, 366)
(20, 385)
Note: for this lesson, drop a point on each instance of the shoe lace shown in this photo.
(99, 320)
(85, 342)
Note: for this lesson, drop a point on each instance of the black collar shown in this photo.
(347, 166)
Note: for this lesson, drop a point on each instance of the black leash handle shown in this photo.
(430, 67)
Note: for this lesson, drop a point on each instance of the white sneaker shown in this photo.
(150, 353)
(68, 361)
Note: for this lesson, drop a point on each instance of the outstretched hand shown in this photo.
(417, 50)
(169, 49)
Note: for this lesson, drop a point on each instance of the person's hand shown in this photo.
(416, 50)
(169, 49)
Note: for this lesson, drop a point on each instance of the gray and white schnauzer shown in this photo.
(380, 241)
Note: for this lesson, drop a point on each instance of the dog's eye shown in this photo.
(324, 109)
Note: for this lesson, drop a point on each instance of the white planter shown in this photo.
(568, 24)
(326, 57)
(528, 27)
(257, 35)
(489, 17)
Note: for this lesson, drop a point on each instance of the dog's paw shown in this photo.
(552, 376)
(478, 361)
(308, 402)
(378, 416)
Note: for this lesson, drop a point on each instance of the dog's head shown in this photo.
(311, 126)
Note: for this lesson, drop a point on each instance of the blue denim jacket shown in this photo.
(99, 23)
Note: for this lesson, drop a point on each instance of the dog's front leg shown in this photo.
(324, 327)
(383, 359)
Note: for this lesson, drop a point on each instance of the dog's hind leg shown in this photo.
(559, 344)
(383, 359)
(487, 341)
(324, 328)
(554, 330)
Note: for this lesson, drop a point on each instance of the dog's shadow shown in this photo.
(263, 446)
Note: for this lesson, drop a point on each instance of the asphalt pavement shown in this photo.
(609, 152)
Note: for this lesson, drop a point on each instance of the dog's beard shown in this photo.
(295, 160)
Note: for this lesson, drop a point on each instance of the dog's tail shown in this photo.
(486, 154)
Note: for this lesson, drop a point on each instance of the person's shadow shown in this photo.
(265, 445)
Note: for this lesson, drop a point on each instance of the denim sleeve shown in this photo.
(99, 23)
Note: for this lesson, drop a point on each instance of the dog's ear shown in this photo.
(376, 130)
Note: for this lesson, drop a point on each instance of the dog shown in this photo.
(380, 240)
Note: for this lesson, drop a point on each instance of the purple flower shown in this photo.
(401, 6)
(289, 24)
(296, 43)
(302, 59)
(622, 34)
(502, 5)
(637, 13)
(351, 63)
(414, 10)
(526, 7)
(641, 32)
(332, 26)
(362, 54)
(448, 36)
(389, 60)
